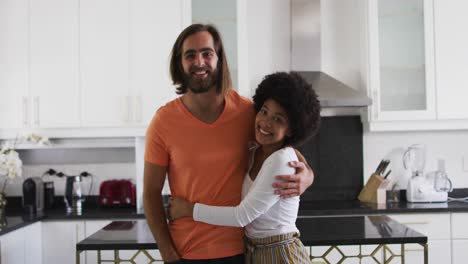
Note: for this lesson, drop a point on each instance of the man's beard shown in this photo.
(200, 85)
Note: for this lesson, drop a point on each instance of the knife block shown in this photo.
(375, 190)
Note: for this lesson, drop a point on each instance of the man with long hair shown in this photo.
(200, 140)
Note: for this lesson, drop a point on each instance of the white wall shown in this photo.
(449, 145)
(269, 42)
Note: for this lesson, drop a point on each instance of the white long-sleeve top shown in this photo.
(261, 212)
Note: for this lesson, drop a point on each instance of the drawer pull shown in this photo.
(415, 223)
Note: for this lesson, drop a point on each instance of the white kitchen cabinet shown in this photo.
(59, 241)
(12, 247)
(437, 228)
(459, 251)
(401, 60)
(33, 243)
(450, 22)
(91, 227)
(415, 70)
(14, 58)
(54, 86)
(459, 237)
(39, 70)
(124, 54)
(153, 29)
(22, 246)
(104, 62)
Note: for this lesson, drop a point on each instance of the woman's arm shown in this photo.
(259, 199)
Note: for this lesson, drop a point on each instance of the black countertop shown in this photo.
(355, 230)
(330, 208)
(16, 218)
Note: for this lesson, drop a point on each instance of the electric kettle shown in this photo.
(74, 194)
(74, 197)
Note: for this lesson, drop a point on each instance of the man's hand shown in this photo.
(179, 207)
(295, 185)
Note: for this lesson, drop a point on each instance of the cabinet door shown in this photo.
(154, 28)
(14, 63)
(33, 243)
(54, 63)
(104, 44)
(401, 59)
(12, 247)
(459, 251)
(92, 227)
(438, 252)
(59, 241)
(450, 22)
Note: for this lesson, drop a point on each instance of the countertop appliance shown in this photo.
(74, 196)
(117, 193)
(432, 187)
(33, 194)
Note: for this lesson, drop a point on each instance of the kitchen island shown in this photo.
(380, 232)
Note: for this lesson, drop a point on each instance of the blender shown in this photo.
(423, 189)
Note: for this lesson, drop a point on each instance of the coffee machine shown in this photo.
(33, 194)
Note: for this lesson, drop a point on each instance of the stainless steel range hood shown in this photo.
(333, 93)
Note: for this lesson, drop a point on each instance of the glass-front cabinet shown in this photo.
(401, 60)
(229, 17)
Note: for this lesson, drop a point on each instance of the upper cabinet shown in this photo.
(14, 59)
(104, 62)
(415, 71)
(53, 49)
(153, 29)
(73, 68)
(451, 58)
(401, 59)
(230, 18)
(124, 57)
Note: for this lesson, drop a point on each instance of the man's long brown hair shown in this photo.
(223, 80)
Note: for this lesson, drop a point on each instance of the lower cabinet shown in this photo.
(22, 246)
(59, 241)
(459, 251)
(92, 227)
(437, 228)
(460, 238)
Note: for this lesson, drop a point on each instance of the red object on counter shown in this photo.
(117, 193)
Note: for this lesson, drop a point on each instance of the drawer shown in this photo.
(460, 225)
(434, 226)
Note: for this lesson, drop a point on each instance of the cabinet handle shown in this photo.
(25, 111)
(128, 108)
(415, 223)
(36, 110)
(138, 107)
(376, 108)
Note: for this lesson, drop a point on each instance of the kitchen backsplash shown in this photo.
(336, 158)
(452, 146)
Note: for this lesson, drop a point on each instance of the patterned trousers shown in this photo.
(285, 248)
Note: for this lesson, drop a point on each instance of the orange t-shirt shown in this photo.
(207, 164)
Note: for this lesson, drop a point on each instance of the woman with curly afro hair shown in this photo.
(288, 114)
